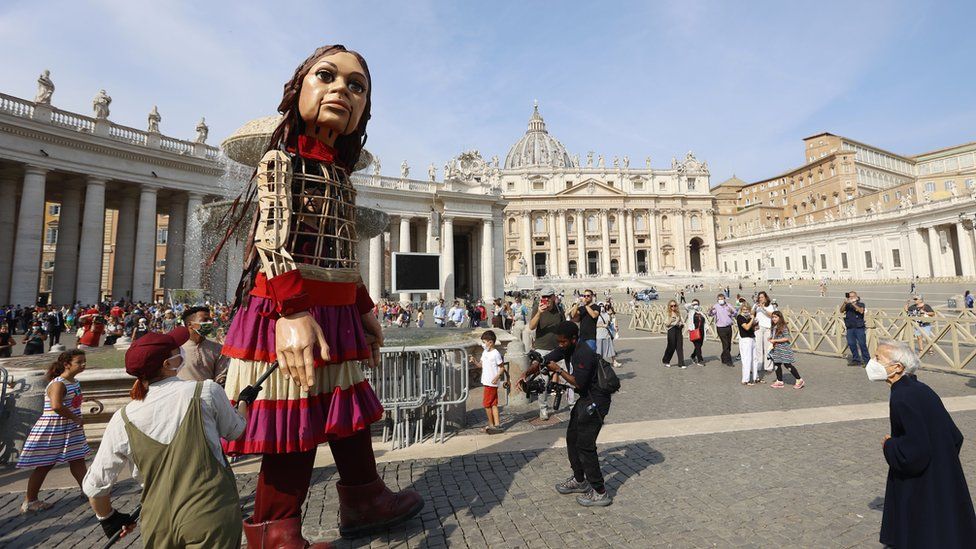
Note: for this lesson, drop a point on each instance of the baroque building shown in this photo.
(853, 210)
(565, 218)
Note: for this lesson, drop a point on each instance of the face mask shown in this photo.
(484, 345)
(205, 329)
(721, 302)
(876, 371)
(695, 306)
(179, 362)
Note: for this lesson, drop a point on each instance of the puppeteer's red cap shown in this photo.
(145, 357)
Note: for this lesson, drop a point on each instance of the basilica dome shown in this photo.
(537, 148)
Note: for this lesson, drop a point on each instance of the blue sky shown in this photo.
(740, 83)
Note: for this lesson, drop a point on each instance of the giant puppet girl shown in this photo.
(303, 304)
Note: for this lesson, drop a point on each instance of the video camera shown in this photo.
(542, 385)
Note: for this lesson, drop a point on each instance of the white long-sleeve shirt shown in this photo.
(159, 417)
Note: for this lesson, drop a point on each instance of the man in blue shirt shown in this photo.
(440, 314)
(853, 309)
(585, 418)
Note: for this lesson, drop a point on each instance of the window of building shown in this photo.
(823, 261)
(54, 209)
(725, 266)
(747, 265)
(592, 224)
(614, 267)
(691, 183)
(538, 185)
(787, 263)
(772, 261)
(162, 236)
(695, 223)
(160, 263)
(803, 261)
(638, 185)
(868, 264)
(569, 184)
(48, 264)
(51, 236)
(511, 186)
(759, 264)
(885, 197)
(539, 226)
(540, 242)
(665, 224)
(512, 225)
(735, 265)
(970, 183)
(897, 195)
(930, 186)
(843, 260)
(572, 267)
(662, 185)
(948, 185)
(570, 224)
(640, 222)
(612, 223)
(896, 257)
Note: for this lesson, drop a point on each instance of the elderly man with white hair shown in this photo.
(927, 501)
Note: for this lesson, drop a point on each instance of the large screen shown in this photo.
(416, 272)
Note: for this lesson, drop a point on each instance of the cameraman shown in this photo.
(586, 417)
(853, 309)
(94, 327)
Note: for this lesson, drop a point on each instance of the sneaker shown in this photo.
(682, 366)
(666, 365)
(777, 385)
(799, 384)
(592, 498)
(573, 486)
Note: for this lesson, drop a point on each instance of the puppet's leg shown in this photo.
(365, 503)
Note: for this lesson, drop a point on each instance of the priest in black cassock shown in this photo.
(927, 502)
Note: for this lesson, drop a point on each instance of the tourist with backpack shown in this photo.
(594, 382)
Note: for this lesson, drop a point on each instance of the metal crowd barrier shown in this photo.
(413, 383)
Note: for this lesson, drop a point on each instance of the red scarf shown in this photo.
(313, 149)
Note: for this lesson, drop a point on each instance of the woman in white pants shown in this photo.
(747, 345)
(763, 311)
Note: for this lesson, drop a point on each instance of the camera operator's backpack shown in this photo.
(606, 378)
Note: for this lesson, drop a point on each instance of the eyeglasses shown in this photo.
(587, 295)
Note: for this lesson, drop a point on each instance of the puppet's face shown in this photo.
(333, 97)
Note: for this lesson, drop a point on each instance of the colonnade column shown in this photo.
(966, 257)
(125, 246)
(553, 252)
(605, 243)
(563, 244)
(918, 254)
(193, 243)
(527, 241)
(681, 261)
(405, 247)
(935, 252)
(144, 267)
(581, 261)
(431, 248)
(89, 288)
(712, 243)
(27, 243)
(66, 252)
(654, 264)
(447, 260)
(176, 244)
(487, 261)
(8, 214)
(624, 241)
(948, 255)
(376, 267)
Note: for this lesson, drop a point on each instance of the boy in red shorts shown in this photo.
(492, 369)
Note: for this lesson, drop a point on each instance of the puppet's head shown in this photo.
(327, 98)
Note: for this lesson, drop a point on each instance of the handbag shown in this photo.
(695, 334)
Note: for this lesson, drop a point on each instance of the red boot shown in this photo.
(373, 507)
(279, 534)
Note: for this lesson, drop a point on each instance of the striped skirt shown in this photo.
(52, 440)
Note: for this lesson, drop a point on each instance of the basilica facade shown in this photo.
(567, 218)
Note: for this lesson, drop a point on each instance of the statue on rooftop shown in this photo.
(432, 172)
(404, 170)
(589, 159)
(154, 120)
(45, 88)
(202, 131)
(100, 105)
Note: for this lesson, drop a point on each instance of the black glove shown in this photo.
(248, 394)
(115, 522)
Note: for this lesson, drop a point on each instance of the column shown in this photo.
(376, 267)
(563, 244)
(527, 241)
(605, 242)
(8, 216)
(193, 243)
(918, 254)
(431, 248)
(623, 242)
(66, 252)
(581, 242)
(487, 261)
(935, 253)
(631, 244)
(125, 246)
(143, 270)
(405, 247)
(498, 290)
(176, 243)
(26, 272)
(447, 260)
(711, 242)
(89, 288)
(966, 258)
(949, 256)
(553, 269)
(654, 259)
(681, 248)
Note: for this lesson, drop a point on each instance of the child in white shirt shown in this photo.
(492, 370)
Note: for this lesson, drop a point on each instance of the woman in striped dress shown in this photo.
(58, 436)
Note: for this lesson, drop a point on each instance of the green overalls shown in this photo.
(189, 499)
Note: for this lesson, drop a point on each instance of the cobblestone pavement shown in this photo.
(815, 486)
